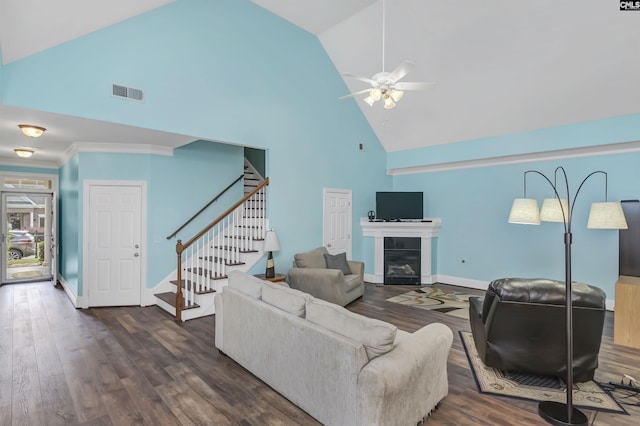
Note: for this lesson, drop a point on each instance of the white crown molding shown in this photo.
(590, 151)
(26, 162)
(121, 148)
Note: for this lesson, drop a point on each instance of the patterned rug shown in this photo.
(587, 395)
(447, 302)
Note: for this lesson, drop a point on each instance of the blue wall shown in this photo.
(177, 187)
(69, 224)
(232, 72)
(228, 71)
(474, 205)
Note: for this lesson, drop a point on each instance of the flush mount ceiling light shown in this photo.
(24, 152)
(31, 131)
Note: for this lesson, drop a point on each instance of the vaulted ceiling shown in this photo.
(500, 66)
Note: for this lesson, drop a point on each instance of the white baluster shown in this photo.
(202, 264)
(236, 237)
(207, 246)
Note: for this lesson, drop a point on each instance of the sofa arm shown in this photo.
(325, 284)
(357, 268)
(405, 384)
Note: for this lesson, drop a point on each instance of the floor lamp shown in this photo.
(607, 215)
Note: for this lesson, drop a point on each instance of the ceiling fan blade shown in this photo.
(355, 93)
(359, 77)
(413, 86)
(402, 70)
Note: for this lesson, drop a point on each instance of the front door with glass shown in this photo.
(28, 236)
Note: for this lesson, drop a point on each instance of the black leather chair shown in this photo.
(520, 326)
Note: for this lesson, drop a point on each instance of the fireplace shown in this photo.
(402, 260)
(425, 230)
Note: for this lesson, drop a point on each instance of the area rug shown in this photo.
(448, 302)
(588, 395)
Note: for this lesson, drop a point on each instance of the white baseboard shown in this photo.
(76, 300)
(148, 294)
(463, 282)
(445, 279)
(610, 304)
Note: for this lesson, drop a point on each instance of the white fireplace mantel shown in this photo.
(425, 229)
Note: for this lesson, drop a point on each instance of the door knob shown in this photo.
(135, 255)
(137, 246)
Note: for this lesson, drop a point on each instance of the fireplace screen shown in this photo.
(401, 260)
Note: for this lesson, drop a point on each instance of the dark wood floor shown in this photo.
(132, 365)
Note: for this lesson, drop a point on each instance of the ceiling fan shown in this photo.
(387, 85)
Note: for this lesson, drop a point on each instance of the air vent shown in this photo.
(128, 92)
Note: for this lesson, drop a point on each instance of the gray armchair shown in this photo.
(330, 278)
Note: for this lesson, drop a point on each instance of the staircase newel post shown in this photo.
(179, 297)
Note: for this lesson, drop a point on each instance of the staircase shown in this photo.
(231, 242)
(251, 177)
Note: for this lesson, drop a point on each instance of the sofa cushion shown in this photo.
(351, 282)
(285, 298)
(311, 259)
(245, 283)
(376, 336)
(337, 261)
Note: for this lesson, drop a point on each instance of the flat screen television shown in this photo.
(398, 205)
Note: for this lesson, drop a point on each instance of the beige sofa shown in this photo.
(340, 367)
(311, 275)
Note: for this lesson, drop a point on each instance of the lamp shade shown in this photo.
(607, 215)
(271, 242)
(554, 210)
(525, 211)
(388, 102)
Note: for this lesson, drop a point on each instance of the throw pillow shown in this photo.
(338, 261)
(311, 259)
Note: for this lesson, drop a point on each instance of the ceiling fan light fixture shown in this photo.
(24, 152)
(388, 102)
(396, 95)
(383, 84)
(31, 130)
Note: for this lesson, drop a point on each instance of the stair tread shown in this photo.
(170, 298)
(186, 284)
(239, 251)
(206, 272)
(216, 259)
(240, 237)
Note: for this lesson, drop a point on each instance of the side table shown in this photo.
(279, 278)
(627, 316)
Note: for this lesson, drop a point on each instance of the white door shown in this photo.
(113, 273)
(337, 221)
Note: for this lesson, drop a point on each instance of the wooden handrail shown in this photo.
(180, 248)
(205, 207)
(219, 219)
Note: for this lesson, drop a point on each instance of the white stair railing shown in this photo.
(207, 256)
